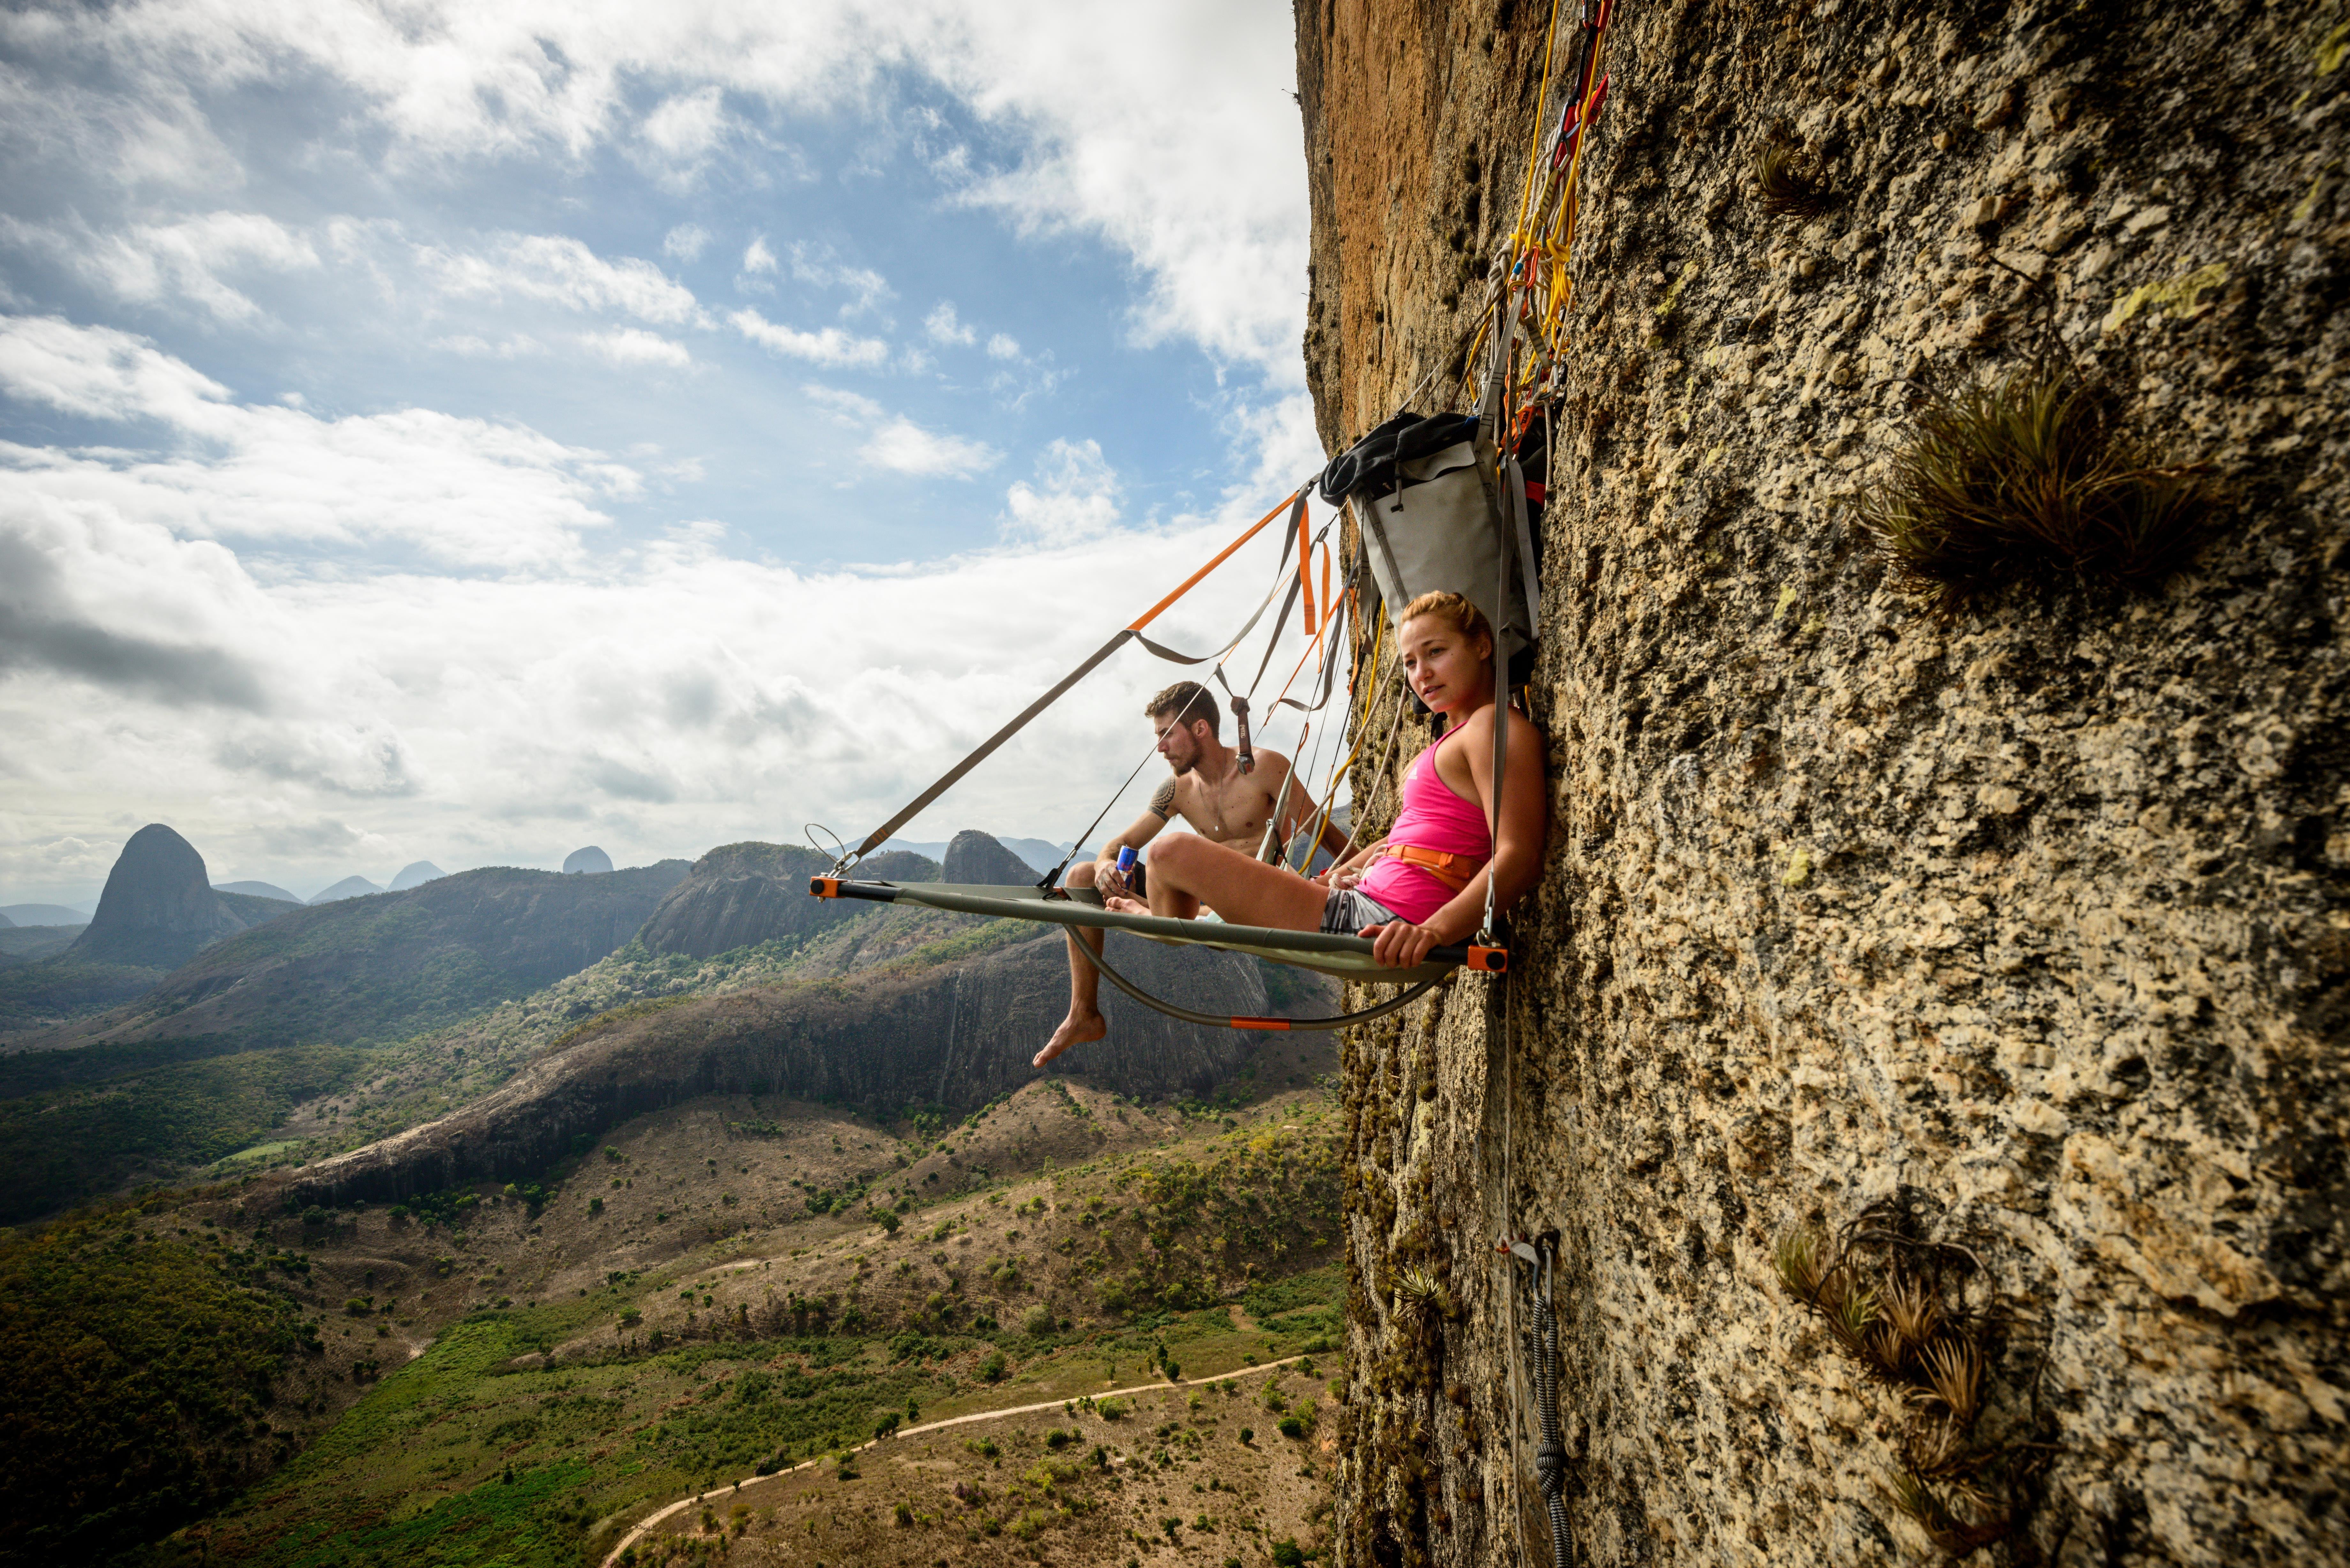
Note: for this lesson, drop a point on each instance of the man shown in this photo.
(1212, 794)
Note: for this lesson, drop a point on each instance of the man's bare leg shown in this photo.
(1085, 1022)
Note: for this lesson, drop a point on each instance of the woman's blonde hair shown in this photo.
(1456, 611)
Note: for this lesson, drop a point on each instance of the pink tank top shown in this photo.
(1431, 817)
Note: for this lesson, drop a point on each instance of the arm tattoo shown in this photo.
(1162, 802)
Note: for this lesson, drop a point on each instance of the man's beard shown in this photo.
(1184, 764)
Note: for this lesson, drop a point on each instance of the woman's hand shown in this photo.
(1399, 944)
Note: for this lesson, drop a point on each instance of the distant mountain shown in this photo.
(588, 862)
(1040, 855)
(415, 874)
(348, 888)
(258, 890)
(256, 911)
(974, 856)
(158, 909)
(45, 915)
(388, 967)
(5, 923)
(740, 895)
(30, 942)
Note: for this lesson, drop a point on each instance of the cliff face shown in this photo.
(2024, 931)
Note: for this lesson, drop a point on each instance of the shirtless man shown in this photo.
(1210, 792)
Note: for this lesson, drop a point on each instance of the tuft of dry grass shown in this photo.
(2025, 476)
(1784, 187)
(1891, 1318)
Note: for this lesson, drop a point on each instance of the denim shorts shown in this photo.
(1348, 912)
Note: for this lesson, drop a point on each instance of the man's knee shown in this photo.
(1081, 875)
(1179, 853)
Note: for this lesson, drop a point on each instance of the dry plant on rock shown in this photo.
(1891, 1316)
(2025, 476)
(1784, 186)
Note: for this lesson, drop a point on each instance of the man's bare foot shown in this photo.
(1125, 906)
(1074, 1030)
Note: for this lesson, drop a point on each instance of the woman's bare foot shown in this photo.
(1075, 1030)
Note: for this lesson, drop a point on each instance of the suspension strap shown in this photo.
(1132, 630)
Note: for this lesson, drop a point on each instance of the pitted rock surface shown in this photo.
(2031, 923)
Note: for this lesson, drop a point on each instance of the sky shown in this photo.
(465, 433)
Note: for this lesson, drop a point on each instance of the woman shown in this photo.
(1423, 884)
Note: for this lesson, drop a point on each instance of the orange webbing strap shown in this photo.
(1188, 584)
(1453, 870)
(1305, 569)
(986, 748)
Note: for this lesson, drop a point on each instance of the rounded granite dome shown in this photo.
(590, 861)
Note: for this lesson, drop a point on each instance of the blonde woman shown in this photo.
(1421, 886)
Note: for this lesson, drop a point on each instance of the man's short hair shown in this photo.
(1188, 702)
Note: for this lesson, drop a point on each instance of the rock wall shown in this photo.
(2021, 927)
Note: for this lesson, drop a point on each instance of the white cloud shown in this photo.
(944, 327)
(758, 257)
(146, 264)
(656, 699)
(1148, 126)
(907, 447)
(472, 492)
(850, 405)
(634, 346)
(562, 271)
(515, 345)
(812, 264)
(686, 127)
(686, 242)
(895, 442)
(1075, 497)
(1004, 345)
(831, 347)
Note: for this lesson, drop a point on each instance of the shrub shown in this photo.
(2026, 476)
(1037, 1322)
(1111, 1410)
(595, 1206)
(1248, 1433)
(904, 1512)
(1291, 1427)
(993, 1367)
(1287, 1554)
